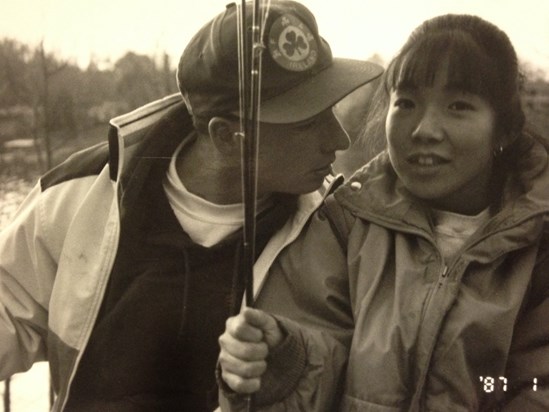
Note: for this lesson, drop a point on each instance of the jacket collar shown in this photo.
(165, 120)
(376, 194)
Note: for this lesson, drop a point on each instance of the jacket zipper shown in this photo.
(416, 403)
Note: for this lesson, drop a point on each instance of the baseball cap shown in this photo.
(299, 76)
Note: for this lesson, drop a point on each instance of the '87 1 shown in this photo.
(489, 383)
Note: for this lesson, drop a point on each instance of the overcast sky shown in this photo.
(104, 30)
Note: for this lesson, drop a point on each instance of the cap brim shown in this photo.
(319, 92)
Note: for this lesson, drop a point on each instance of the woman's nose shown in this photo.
(430, 126)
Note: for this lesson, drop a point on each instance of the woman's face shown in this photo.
(440, 143)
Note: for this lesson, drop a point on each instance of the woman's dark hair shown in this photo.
(481, 60)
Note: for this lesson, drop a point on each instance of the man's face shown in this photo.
(294, 158)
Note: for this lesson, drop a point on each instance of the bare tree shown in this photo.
(48, 68)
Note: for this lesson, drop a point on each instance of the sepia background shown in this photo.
(67, 67)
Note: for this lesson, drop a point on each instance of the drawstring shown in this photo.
(234, 297)
(186, 274)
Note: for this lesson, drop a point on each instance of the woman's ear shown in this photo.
(503, 142)
(224, 134)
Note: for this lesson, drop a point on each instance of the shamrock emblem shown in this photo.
(294, 43)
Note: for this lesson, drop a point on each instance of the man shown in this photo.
(124, 262)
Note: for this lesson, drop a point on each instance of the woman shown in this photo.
(438, 297)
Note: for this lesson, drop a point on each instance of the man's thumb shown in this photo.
(267, 323)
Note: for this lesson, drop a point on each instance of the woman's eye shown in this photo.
(403, 103)
(461, 105)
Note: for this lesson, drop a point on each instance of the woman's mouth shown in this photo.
(426, 160)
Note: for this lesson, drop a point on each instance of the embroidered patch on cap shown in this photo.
(291, 44)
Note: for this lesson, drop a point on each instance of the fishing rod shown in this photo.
(250, 52)
(250, 48)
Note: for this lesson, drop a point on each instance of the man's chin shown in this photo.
(311, 185)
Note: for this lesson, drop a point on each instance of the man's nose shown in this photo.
(430, 125)
(334, 136)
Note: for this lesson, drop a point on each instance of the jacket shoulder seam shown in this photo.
(145, 111)
(87, 162)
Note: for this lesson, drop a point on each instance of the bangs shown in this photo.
(467, 65)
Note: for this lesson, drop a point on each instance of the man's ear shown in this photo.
(224, 134)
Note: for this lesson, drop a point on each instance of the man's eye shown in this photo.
(461, 105)
(305, 125)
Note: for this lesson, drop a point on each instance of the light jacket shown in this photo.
(57, 253)
(392, 326)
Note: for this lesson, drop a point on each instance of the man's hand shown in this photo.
(245, 345)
